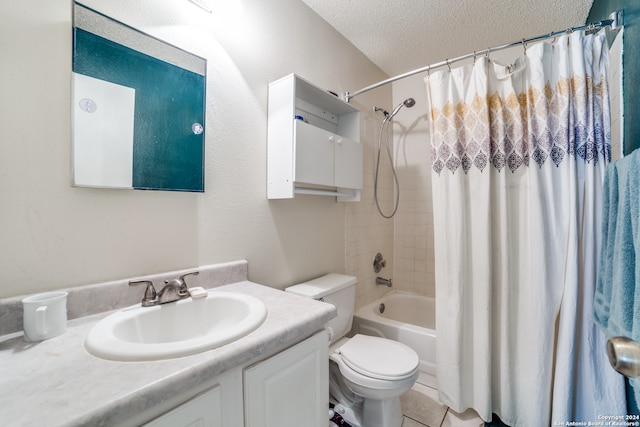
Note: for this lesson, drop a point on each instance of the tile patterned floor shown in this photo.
(421, 408)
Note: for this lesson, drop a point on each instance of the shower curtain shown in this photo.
(518, 159)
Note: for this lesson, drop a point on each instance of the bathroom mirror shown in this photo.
(138, 108)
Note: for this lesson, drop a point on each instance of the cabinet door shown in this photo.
(348, 166)
(201, 411)
(314, 150)
(291, 389)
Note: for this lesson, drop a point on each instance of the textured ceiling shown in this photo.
(404, 35)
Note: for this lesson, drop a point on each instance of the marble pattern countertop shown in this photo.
(58, 383)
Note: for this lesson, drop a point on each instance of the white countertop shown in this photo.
(58, 383)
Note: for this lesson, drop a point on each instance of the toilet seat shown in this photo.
(378, 358)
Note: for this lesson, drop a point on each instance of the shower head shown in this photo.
(409, 102)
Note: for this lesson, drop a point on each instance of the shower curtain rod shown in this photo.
(615, 21)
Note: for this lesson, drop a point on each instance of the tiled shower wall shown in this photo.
(413, 225)
(406, 240)
(366, 231)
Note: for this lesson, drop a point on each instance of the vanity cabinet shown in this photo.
(201, 411)
(219, 404)
(313, 142)
(288, 389)
(291, 388)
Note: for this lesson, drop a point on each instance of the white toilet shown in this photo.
(367, 374)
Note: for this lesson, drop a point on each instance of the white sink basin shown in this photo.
(175, 329)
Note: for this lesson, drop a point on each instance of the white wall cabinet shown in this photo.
(290, 389)
(317, 154)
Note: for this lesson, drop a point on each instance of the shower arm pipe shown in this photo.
(615, 21)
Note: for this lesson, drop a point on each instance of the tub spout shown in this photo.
(385, 282)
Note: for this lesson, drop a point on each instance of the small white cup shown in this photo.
(44, 316)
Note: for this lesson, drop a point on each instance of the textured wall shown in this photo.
(54, 236)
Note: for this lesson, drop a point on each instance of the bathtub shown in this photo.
(407, 318)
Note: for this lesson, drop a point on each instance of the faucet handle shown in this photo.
(181, 283)
(191, 273)
(183, 286)
(150, 295)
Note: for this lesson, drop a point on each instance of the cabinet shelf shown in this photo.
(313, 142)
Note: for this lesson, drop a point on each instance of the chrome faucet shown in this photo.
(385, 282)
(173, 290)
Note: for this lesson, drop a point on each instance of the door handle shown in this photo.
(624, 356)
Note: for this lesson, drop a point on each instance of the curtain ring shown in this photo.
(487, 53)
(448, 65)
(429, 71)
(474, 56)
(524, 46)
(569, 30)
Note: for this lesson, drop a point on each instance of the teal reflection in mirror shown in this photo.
(138, 109)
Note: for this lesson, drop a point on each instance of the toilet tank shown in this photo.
(336, 289)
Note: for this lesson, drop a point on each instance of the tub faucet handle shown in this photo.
(378, 263)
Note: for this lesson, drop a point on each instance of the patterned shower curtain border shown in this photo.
(459, 137)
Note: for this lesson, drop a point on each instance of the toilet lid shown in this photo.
(378, 357)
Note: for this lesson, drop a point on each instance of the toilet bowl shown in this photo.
(379, 371)
(367, 374)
